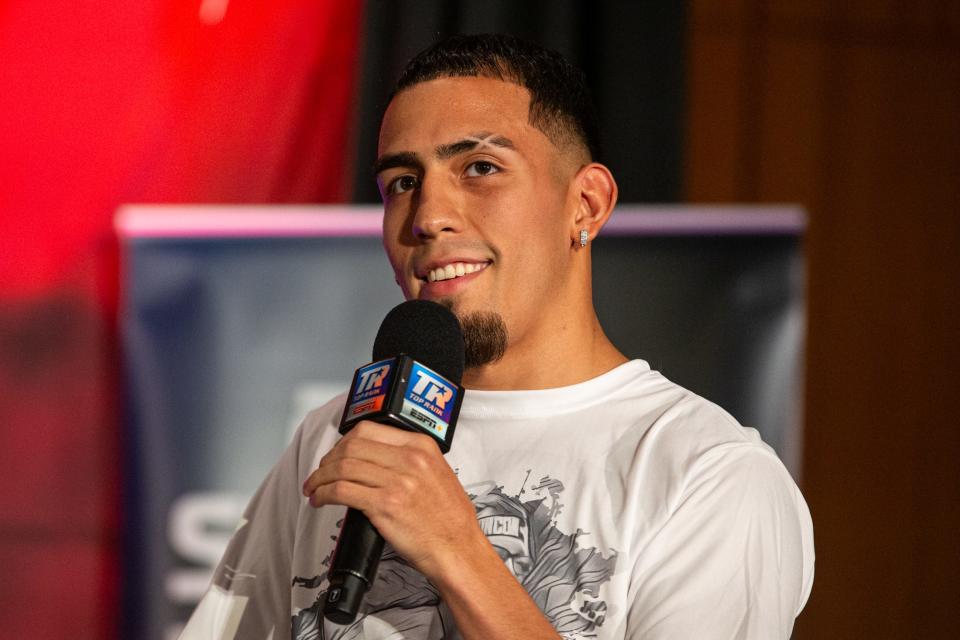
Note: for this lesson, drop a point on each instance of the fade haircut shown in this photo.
(560, 104)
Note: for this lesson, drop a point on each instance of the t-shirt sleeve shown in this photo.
(249, 596)
(733, 560)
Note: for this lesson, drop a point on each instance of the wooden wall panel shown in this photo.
(789, 139)
(854, 111)
(713, 94)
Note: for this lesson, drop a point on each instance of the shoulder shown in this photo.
(318, 432)
(705, 447)
(677, 428)
(719, 486)
(689, 450)
(318, 420)
(670, 431)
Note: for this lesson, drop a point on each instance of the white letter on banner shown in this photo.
(199, 527)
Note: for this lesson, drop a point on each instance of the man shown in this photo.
(585, 495)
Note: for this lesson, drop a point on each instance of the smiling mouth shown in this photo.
(454, 270)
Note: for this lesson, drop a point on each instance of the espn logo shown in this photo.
(366, 407)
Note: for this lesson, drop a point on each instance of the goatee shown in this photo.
(484, 336)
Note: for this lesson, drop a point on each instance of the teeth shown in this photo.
(454, 270)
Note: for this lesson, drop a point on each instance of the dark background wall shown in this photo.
(631, 52)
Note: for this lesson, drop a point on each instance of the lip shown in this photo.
(446, 288)
(423, 270)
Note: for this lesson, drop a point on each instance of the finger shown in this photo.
(368, 430)
(377, 444)
(346, 493)
(391, 491)
(378, 460)
(347, 469)
(372, 451)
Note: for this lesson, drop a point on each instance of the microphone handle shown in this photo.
(353, 568)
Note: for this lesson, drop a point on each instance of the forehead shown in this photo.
(437, 111)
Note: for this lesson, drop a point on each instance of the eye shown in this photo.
(481, 168)
(402, 184)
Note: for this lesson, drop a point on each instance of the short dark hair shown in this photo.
(560, 103)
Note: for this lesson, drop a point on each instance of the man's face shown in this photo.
(476, 201)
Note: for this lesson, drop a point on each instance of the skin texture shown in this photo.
(466, 178)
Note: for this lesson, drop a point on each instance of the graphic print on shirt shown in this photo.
(562, 578)
(400, 599)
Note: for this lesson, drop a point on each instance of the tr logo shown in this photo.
(437, 393)
(372, 378)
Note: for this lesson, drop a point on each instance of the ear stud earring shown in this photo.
(584, 236)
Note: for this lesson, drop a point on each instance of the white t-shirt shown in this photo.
(627, 506)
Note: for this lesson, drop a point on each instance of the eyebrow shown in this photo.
(447, 151)
(442, 152)
(391, 160)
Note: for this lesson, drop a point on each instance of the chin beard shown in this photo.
(484, 336)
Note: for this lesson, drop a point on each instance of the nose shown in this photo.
(437, 210)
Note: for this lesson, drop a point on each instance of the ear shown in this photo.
(597, 195)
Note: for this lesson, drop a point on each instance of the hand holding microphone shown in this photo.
(396, 478)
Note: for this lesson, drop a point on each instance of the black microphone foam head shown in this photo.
(427, 332)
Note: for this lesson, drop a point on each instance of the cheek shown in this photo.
(394, 240)
(391, 228)
(397, 259)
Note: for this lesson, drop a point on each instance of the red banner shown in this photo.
(104, 103)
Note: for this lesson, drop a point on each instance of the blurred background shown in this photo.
(849, 109)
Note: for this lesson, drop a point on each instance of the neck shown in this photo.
(560, 354)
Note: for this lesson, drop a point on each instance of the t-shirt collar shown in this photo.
(520, 404)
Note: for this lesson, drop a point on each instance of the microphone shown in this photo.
(413, 383)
